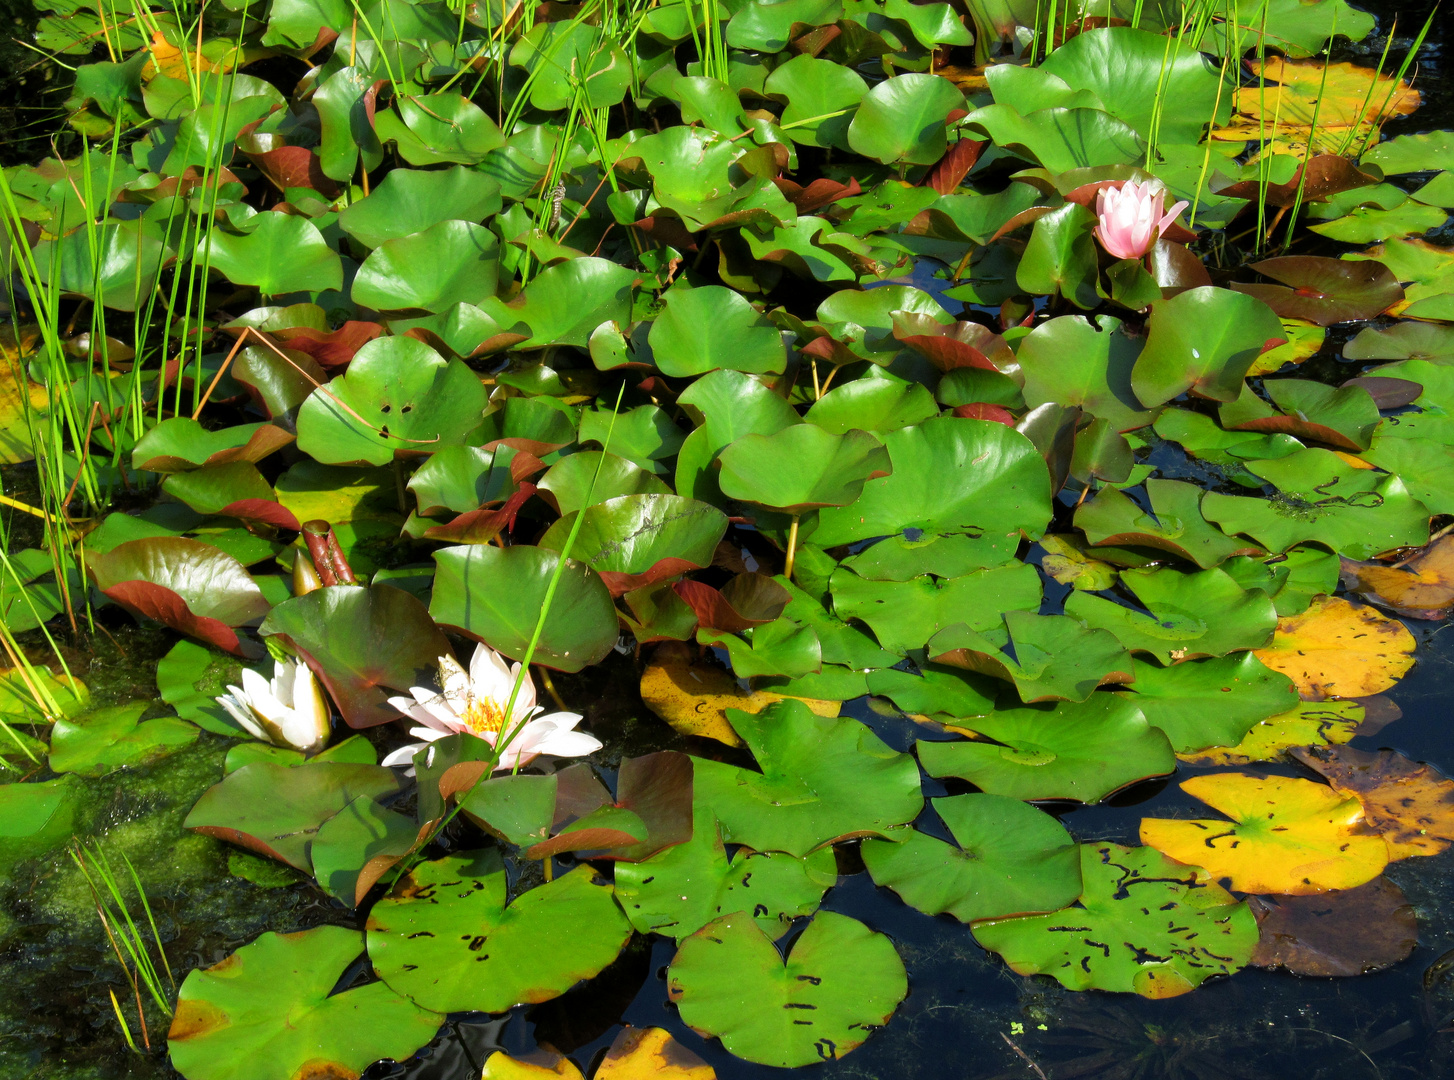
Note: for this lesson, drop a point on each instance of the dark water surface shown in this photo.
(964, 1008)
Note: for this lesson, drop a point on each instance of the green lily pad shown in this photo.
(1342, 417)
(126, 255)
(1175, 525)
(897, 558)
(443, 127)
(903, 615)
(680, 890)
(449, 263)
(902, 119)
(1292, 580)
(638, 540)
(362, 643)
(268, 1012)
(495, 595)
(115, 737)
(1061, 139)
(573, 56)
(1007, 858)
(180, 443)
(801, 467)
(1136, 75)
(812, 88)
(277, 810)
(279, 253)
(949, 475)
(1321, 498)
(711, 327)
(351, 839)
(823, 779)
(36, 818)
(872, 404)
(1203, 340)
(445, 938)
(645, 435)
(462, 478)
(839, 643)
(779, 647)
(409, 201)
(1144, 925)
(564, 303)
(840, 980)
(1192, 614)
(398, 397)
(937, 691)
(1068, 750)
(574, 479)
(191, 586)
(1072, 361)
(1055, 657)
(1367, 224)
(1210, 702)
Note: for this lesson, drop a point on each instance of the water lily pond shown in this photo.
(694, 538)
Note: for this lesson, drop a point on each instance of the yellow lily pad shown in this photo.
(541, 1065)
(1286, 836)
(1410, 804)
(1339, 649)
(642, 1053)
(1311, 723)
(1303, 341)
(1335, 107)
(14, 437)
(694, 697)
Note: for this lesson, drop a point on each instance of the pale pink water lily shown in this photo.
(288, 711)
(1133, 218)
(473, 702)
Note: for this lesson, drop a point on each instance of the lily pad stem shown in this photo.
(550, 689)
(792, 548)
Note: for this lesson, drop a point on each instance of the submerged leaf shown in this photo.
(1350, 932)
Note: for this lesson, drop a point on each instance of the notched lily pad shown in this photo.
(839, 982)
(268, 1012)
(1339, 649)
(1144, 925)
(1008, 858)
(1410, 804)
(446, 939)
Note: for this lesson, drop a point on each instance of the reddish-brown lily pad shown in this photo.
(1348, 932)
(1324, 291)
(1411, 804)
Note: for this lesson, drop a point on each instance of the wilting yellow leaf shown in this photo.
(177, 62)
(1303, 340)
(694, 698)
(501, 1066)
(1422, 589)
(1411, 804)
(1338, 109)
(14, 438)
(1338, 649)
(640, 1053)
(1311, 723)
(1286, 836)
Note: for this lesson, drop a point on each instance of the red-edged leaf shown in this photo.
(482, 525)
(142, 598)
(982, 410)
(818, 194)
(620, 584)
(261, 512)
(1324, 291)
(294, 167)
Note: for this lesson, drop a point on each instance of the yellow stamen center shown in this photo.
(483, 715)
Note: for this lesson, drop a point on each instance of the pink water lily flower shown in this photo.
(473, 702)
(1132, 217)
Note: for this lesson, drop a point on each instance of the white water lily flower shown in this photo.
(289, 711)
(474, 703)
